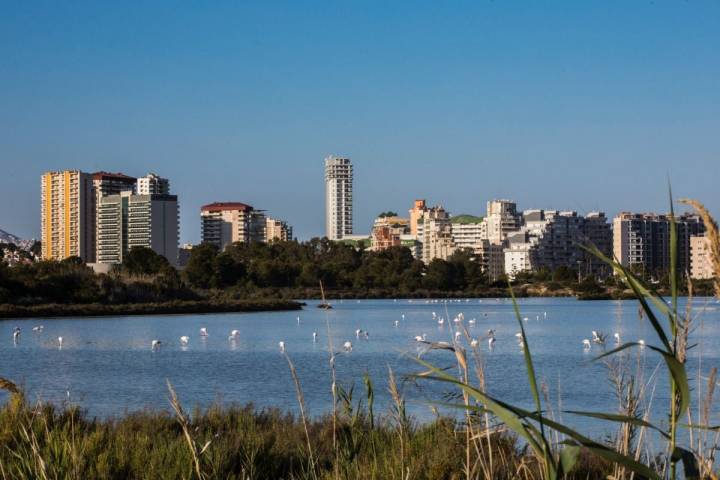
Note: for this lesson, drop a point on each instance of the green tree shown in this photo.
(199, 271)
(143, 261)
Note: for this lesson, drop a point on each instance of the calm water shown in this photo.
(106, 364)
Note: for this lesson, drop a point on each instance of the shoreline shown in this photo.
(10, 311)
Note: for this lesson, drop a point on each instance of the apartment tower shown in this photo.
(224, 223)
(126, 221)
(338, 197)
(67, 215)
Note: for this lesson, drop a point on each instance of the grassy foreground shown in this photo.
(243, 443)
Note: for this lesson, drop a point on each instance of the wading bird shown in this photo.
(234, 335)
(184, 340)
(314, 337)
(347, 346)
(155, 344)
(203, 332)
(586, 344)
(617, 337)
(419, 338)
(281, 344)
(16, 334)
(474, 342)
(60, 342)
(491, 342)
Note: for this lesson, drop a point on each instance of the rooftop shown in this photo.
(224, 206)
(465, 219)
(112, 176)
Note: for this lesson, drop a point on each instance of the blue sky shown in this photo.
(561, 104)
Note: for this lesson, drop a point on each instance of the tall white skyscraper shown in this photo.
(338, 197)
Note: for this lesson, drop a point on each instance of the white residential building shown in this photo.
(468, 231)
(338, 197)
(502, 218)
(435, 233)
(152, 184)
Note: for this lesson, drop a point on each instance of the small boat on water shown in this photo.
(324, 304)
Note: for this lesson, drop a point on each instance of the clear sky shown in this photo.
(560, 104)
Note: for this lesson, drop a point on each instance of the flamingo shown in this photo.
(184, 340)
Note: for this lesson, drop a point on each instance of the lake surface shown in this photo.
(106, 364)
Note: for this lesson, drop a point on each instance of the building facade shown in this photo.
(224, 223)
(152, 184)
(67, 215)
(502, 218)
(277, 230)
(701, 267)
(338, 197)
(468, 231)
(642, 240)
(388, 232)
(435, 233)
(127, 221)
(416, 213)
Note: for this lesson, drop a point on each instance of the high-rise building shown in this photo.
(502, 218)
(67, 215)
(106, 183)
(701, 266)
(338, 197)
(416, 214)
(643, 240)
(435, 233)
(224, 223)
(277, 230)
(126, 221)
(152, 184)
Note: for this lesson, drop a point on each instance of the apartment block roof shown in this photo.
(112, 176)
(224, 206)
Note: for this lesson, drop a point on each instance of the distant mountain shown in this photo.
(6, 237)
